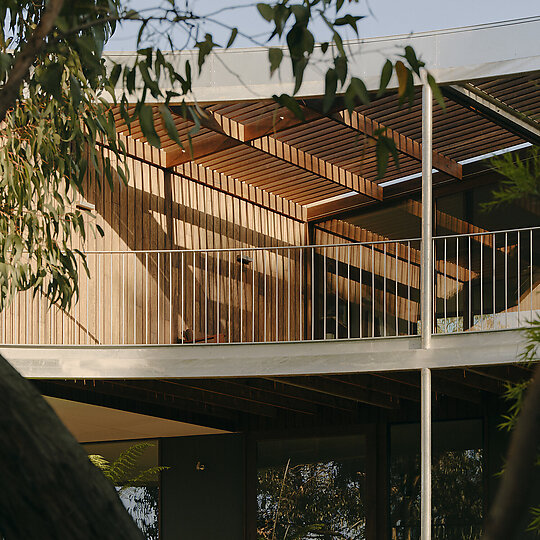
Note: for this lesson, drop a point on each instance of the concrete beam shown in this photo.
(265, 359)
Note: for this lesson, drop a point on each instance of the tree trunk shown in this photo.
(512, 498)
(49, 488)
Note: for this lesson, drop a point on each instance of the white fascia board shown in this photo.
(456, 55)
(265, 359)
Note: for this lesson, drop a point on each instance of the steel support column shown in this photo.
(426, 302)
(425, 509)
(426, 285)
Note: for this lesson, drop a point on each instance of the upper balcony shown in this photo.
(267, 229)
(332, 291)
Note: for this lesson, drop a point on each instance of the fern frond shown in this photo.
(124, 465)
(101, 463)
(148, 475)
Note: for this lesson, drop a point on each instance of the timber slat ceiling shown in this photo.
(255, 403)
(264, 145)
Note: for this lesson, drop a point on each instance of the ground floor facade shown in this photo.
(316, 456)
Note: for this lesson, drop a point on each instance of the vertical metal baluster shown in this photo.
(170, 297)
(229, 301)
(471, 322)
(264, 289)
(277, 297)
(206, 297)
(289, 294)
(146, 299)
(408, 288)
(336, 258)
(99, 298)
(506, 280)
(518, 278)
(457, 283)
(396, 286)
(254, 254)
(264, 293)
(50, 325)
(324, 293)
(312, 293)
(193, 314)
(111, 296)
(134, 256)
(123, 302)
(241, 298)
(87, 320)
(372, 290)
(531, 272)
(301, 270)
(385, 308)
(493, 252)
(481, 283)
(26, 298)
(445, 291)
(349, 292)
(158, 294)
(360, 329)
(433, 271)
(218, 299)
(182, 277)
(39, 323)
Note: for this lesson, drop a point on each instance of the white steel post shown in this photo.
(426, 299)
(425, 506)
(426, 285)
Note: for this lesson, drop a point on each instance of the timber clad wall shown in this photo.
(164, 210)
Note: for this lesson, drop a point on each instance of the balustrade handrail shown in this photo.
(485, 233)
(249, 248)
(303, 246)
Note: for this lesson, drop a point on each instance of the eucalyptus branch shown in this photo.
(21, 68)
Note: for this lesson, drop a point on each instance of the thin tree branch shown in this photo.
(512, 497)
(10, 91)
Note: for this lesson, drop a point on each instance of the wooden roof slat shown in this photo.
(404, 144)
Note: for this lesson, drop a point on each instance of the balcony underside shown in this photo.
(264, 359)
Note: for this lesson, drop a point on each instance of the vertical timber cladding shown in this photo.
(161, 209)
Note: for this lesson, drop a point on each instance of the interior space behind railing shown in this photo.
(269, 294)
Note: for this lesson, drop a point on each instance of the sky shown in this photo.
(382, 18)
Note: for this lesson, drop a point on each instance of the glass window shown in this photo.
(311, 488)
(457, 481)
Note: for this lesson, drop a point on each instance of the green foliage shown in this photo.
(316, 500)
(521, 177)
(457, 512)
(123, 471)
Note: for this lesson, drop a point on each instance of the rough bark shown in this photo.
(49, 488)
(511, 501)
(21, 67)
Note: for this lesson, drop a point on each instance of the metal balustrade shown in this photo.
(290, 293)
(496, 283)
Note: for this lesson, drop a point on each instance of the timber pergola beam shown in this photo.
(406, 145)
(228, 185)
(231, 133)
(495, 110)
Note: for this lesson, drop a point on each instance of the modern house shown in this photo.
(300, 337)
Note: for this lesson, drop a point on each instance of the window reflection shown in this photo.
(457, 481)
(311, 488)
